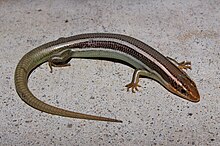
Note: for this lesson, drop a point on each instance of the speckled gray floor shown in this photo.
(188, 30)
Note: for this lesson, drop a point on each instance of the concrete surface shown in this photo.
(185, 30)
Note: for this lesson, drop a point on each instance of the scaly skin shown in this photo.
(145, 60)
(29, 62)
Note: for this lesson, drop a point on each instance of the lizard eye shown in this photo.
(183, 91)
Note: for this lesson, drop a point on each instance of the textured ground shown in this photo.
(188, 30)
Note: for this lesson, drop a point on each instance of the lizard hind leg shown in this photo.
(60, 59)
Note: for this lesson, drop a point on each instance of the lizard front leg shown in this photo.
(181, 65)
(135, 79)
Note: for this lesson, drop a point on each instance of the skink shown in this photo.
(146, 61)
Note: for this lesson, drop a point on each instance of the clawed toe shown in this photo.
(133, 86)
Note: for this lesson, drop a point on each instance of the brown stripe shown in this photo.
(122, 48)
